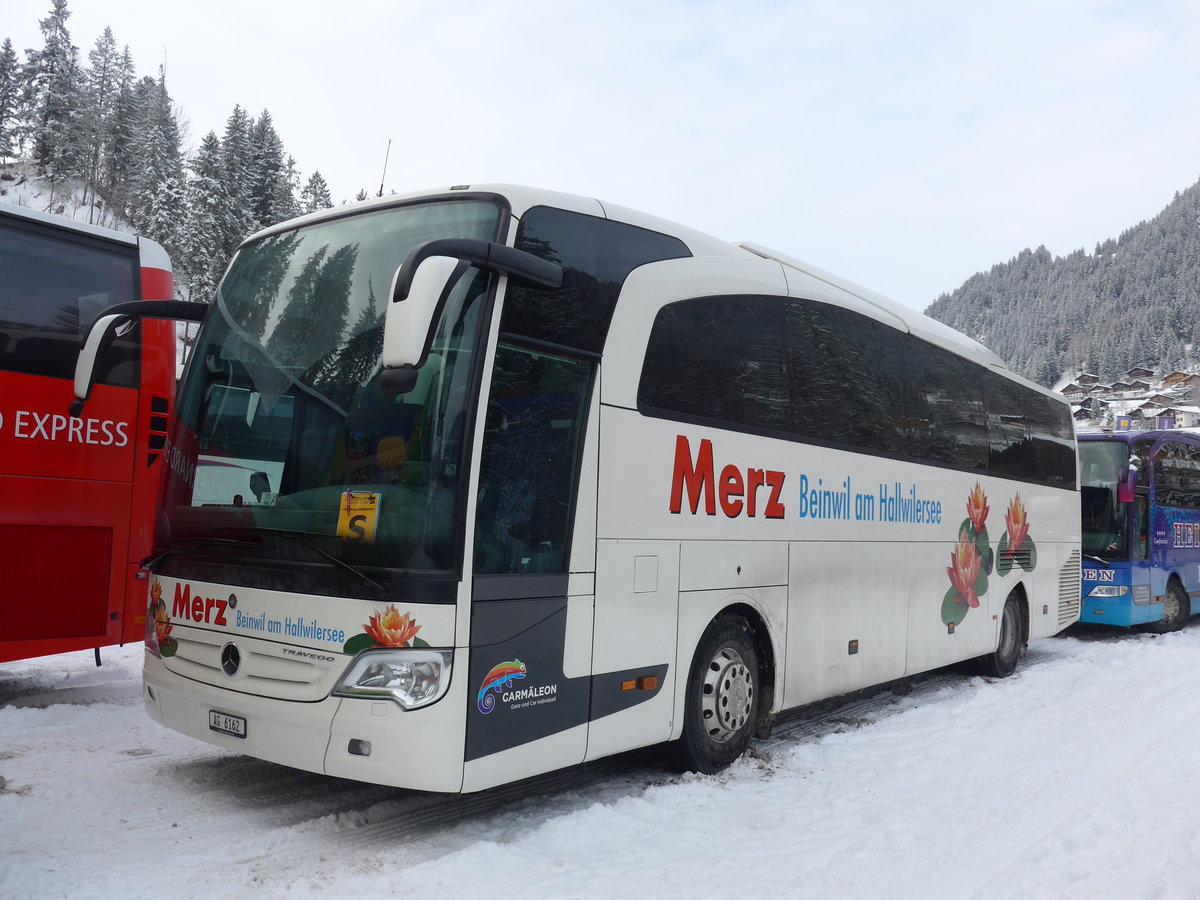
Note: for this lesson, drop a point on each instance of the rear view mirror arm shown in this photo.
(102, 332)
(487, 255)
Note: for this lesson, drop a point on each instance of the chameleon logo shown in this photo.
(501, 677)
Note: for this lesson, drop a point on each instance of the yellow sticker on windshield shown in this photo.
(358, 513)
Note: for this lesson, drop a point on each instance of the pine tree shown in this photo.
(120, 137)
(271, 196)
(315, 194)
(236, 166)
(102, 89)
(157, 199)
(10, 92)
(202, 258)
(55, 98)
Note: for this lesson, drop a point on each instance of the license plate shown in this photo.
(227, 724)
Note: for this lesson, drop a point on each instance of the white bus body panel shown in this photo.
(637, 615)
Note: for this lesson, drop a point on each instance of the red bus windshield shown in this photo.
(76, 493)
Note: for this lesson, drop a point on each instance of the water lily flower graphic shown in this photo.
(162, 625)
(390, 629)
(1018, 526)
(977, 508)
(964, 570)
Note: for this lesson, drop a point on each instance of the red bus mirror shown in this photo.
(1126, 487)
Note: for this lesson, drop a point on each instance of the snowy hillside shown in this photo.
(22, 185)
(1068, 780)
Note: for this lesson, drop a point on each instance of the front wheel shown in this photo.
(1002, 661)
(1177, 608)
(721, 711)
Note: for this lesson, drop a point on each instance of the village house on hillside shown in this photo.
(1139, 400)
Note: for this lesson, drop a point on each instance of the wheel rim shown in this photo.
(1171, 606)
(728, 697)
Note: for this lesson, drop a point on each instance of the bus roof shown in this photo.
(151, 252)
(1189, 435)
(522, 198)
(24, 212)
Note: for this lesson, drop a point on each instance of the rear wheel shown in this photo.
(1002, 661)
(1177, 609)
(722, 699)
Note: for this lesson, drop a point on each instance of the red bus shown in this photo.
(77, 492)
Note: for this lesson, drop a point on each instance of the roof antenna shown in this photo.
(386, 154)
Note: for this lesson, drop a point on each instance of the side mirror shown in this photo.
(420, 288)
(419, 291)
(416, 299)
(103, 330)
(1127, 485)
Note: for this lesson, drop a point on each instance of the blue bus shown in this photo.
(1141, 527)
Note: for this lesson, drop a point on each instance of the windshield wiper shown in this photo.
(340, 564)
(242, 537)
(1103, 562)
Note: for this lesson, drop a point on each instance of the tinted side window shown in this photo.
(1177, 475)
(1052, 434)
(1010, 447)
(946, 420)
(597, 256)
(51, 289)
(844, 376)
(827, 375)
(807, 370)
(720, 359)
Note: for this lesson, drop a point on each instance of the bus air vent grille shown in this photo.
(1068, 590)
(157, 429)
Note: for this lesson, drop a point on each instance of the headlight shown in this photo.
(412, 678)
(1109, 590)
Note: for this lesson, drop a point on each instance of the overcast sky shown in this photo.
(905, 146)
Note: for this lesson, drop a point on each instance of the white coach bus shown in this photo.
(531, 479)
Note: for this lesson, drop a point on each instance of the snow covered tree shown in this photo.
(10, 92)
(202, 257)
(315, 194)
(271, 196)
(102, 81)
(55, 97)
(237, 172)
(157, 199)
(120, 136)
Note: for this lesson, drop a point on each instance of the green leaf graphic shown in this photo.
(981, 583)
(170, 648)
(986, 556)
(953, 611)
(358, 644)
(418, 642)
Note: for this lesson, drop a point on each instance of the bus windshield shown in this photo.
(1105, 521)
(281, 413)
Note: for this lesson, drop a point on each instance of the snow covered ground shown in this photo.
(1069, 780)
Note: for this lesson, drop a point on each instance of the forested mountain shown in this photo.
(93, 141)
(1133, 301)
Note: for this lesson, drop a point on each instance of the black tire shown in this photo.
(1002, 661)
(721, 713)
(1177, 609)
